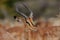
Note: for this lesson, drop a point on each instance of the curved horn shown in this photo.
(20, 12)
(31, 13)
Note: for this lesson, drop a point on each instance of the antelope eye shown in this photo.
(14, 17)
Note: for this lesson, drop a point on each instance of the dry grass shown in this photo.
(45, 31)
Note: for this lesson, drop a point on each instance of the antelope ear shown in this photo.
(15, 17)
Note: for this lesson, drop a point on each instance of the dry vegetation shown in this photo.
(21, 31)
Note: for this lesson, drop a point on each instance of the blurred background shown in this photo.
(40, 8)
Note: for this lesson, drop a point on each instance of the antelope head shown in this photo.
(28, 19)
